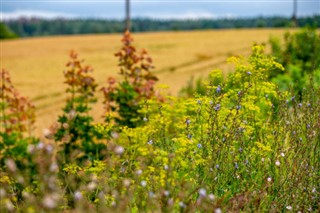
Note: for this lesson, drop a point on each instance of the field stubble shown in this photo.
(36, 64)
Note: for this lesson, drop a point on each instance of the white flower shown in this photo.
(49, 202)
(119, 150)
(202, 192)
(289, 208)
(182, 205)
(139, 172)
(282, 154)
(143, 183)
(269, 179)
(166, 167)
(92, 186)
(277, 163)
(211, 197)
(217, 210)
(77, 195)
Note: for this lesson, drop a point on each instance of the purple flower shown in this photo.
(249, 73)
(238, 107)
(199, 145)
(218, 89)
(217, 107)
(188, 121)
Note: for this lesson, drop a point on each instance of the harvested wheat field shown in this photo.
(36, 64)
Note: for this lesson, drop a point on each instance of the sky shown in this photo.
(158, 9)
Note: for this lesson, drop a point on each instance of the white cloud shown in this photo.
(186, 15)
(33, 14)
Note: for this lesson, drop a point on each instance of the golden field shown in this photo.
(36, 64)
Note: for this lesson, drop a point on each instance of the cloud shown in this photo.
(34, 14)
(186, 15)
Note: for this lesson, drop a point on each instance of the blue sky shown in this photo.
(161, 9)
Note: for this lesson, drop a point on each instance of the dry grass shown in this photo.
(36, 64)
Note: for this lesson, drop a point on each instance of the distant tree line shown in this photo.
(24, 27)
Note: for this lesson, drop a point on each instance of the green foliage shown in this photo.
(43, 27)
(5, 32)
(300, 57)
(243, 145)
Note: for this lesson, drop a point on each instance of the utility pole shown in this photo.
(127, 21)
(294, 16)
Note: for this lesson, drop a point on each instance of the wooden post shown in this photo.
(294, 15)
(127, 21)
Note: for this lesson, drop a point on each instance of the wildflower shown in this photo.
(218, 89)
(287, 101)
(267, 96)
(249, 73)
(65, 125)
(77, 195)
(119, 150)
(217, 210)
(47, 133)
(210, 102)
(49, 202)
(300, 139)
(239, 93)
(54, 167)
(246, 162)
(31, 148)
(139, 172)
(91, 186)
(49, 148)
(145, 119)
(277, 163)
(199, 102)
(114, 135)
(300, 105)
(40, 146)
(151, 194)
(238, 107)
(292, 98)
(262, 159)
(126, 182)
(166, 167)
(269, 179)
(217, 166)
(150, 142)
(282, 154)
(166, 193)
(223, 139)
(236, 166)
(188, 121)
(11, 165)
(309, 105)
(289, 208)
(189, 136)
(199, 145)
(240, 149)
(217, 107)
(182, 205)
(314, 190)
(308, 126)
(143, 183)
(211, 197)
(202, 192)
